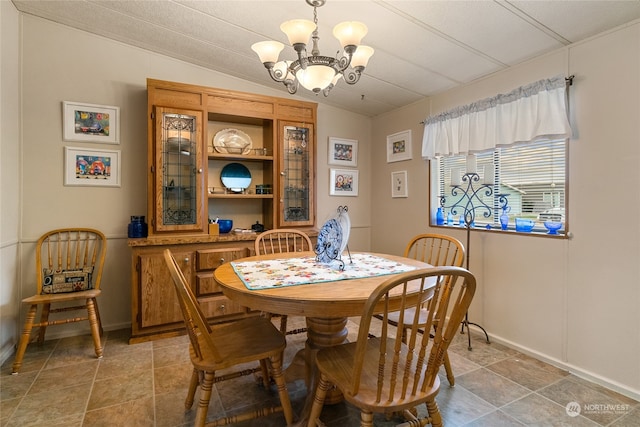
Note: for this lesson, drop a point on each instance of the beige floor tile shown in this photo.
(146, 385)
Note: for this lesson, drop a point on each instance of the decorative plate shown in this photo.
(345, 224)
(329, 241)
(232, 141)
(236, 177)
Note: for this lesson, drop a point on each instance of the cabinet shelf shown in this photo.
(240, 157)
(240, 196)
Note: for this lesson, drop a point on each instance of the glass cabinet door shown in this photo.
(179, 166)
(296, 175)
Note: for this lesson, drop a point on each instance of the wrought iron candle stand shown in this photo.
(469, 201)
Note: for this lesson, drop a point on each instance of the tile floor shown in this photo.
(62, 384)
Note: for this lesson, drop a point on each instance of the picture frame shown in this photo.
(90, 123)
(399, 146)
(91, 167)
(399, 186)
(343, 152)
(344, 182)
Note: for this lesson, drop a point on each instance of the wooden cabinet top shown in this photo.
(228, 102)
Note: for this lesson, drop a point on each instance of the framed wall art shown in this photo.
(91, 167)
(90, 123)
(343, 152)
(344, 182)
(399, 184)
(399, 146)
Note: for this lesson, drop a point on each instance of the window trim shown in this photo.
(436, 189)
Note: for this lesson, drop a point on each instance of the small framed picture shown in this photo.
(399, 184)
(90, 167)
(90, 123)
(399, 146)
(344, 182)
(343, 152)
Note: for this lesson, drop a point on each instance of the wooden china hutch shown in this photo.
(195, 135)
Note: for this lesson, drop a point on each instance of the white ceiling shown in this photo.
(421, 47)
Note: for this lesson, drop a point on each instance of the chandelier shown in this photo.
(316, 73)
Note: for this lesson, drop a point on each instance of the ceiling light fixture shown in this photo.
(316, 73)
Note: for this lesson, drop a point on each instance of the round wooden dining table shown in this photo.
(326, 305)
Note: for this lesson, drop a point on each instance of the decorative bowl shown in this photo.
(552, 226)
(225, 225)
(524, 225)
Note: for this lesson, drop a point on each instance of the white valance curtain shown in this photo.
(526, 114)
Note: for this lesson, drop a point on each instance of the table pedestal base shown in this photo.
(323, 333)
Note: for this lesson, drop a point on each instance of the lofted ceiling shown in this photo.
(422, 47)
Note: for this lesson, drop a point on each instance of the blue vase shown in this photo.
(504, 219)
(137, 227)
(449, 219)
(439, 217)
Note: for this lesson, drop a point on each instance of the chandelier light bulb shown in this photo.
(298, 31)
(316, 77)
(268, 51)
(350, 33)
(361, 56)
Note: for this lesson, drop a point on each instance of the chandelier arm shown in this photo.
(343, 63)
(351, 77)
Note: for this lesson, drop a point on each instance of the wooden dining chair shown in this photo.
(69, 263)
(437, 250)
(280, 241)
(214, 348)
(386, 374)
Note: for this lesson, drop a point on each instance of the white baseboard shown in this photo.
(589, 376)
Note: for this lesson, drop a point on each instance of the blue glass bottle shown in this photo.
(137, 227)
(449, 219)
(504, 219)
(440, 217)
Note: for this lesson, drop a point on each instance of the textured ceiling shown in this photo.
(421, 47)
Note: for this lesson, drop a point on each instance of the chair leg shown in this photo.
(283, 324)
(434, 413)
(276, 369)
(447, 368)
(193, 385)
(44, 319)
(366, 419)
(95, 304)
(265, 373)
(24, 338)
(95, 327)
(205, 396)
(318, 401)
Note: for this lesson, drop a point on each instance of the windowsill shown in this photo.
(538, 232)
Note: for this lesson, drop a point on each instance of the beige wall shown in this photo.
(573, 302)
(63, 64)
(9, 176)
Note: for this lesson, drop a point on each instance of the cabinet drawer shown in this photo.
(206, 284)
(219, 306)
(210, 259)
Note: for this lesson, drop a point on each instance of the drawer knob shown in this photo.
(221, 261)
(186, 259)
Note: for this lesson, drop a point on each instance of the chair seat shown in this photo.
(242, 341)
(337, 364)
(394, 317)
(66, 296)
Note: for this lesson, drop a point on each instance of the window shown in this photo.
(530, 177)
